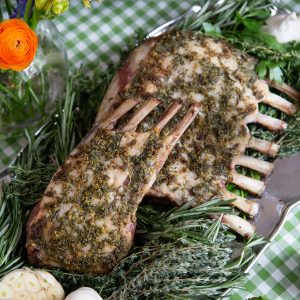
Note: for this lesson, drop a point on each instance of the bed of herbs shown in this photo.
(179, 253)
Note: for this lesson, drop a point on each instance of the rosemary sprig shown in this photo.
(179, 252)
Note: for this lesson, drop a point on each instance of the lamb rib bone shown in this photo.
(201, 69)
(286, 89)
(237, 224)
(252, 185)
(266, 147)
(259, 165)
(247, 206)
(85, 221)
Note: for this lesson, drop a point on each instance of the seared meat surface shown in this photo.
(85, 221)
(207, 71)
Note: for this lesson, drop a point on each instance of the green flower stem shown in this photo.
(9, 92)
(9, 6)
(34, 19)
(1, 15)
(27, 11)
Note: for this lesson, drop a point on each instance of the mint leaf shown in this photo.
(252, 25)
(276, 74)
(262, 69)
(270, 41)
(211, 29)
(273, 69)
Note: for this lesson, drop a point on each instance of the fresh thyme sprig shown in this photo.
(179, 253)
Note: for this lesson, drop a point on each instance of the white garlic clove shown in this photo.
(6, 292)
(30, 285)
(32, 282)
(42, 295)
(84, 293)
(54, 293)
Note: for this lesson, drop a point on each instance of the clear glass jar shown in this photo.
(27, 97)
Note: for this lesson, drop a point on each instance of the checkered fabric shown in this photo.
(95, 37)
(276, 275)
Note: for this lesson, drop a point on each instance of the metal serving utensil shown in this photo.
(282, 192)
(173, 23)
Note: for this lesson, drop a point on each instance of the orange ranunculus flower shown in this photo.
(18, 45)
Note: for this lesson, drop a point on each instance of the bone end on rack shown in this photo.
(259, 165)
(286, 89)
(280, 103)
(254, 186)
(271, 123)
(236, 224)
(247, 206)
(263, 146)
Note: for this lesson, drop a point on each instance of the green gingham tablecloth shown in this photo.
(95, 37)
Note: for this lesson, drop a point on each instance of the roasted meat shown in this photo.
(208, 71)
(85, 221)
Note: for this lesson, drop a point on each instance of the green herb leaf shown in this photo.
(276, 74)
(211, 29)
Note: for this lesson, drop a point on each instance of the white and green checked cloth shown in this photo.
(95, 37)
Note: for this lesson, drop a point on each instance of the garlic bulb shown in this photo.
(30, 285)
(285, 27)
(84, 293)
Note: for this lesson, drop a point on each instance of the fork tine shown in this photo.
(140, 115)
(167, 115)
(126, 106)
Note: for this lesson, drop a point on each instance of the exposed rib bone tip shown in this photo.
(126, 106)
(254, 186)
(247, 206)
(168, 115)
(237, 224)
(280, 103)
(139, 116)
(263, 146)
(270, 122)
(256, 164)
(286, 89)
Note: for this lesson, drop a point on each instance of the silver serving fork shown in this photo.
(173, 23)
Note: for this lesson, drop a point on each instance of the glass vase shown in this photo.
(27, 97)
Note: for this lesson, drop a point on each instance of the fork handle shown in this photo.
(163, 28)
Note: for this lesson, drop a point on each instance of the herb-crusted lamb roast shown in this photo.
(86, 219)
(199, 69)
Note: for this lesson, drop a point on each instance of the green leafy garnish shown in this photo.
(179, 252)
